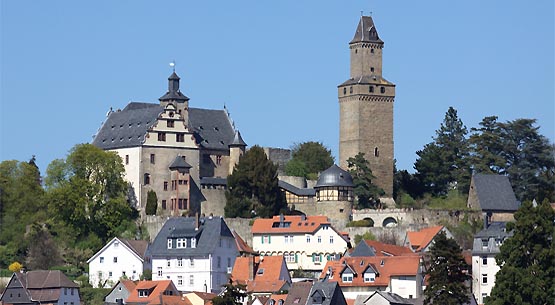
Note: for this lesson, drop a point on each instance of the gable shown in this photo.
(493, 193)
(121, 245)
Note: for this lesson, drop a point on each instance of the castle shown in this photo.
(185, 154)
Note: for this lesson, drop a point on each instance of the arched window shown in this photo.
(146, 179)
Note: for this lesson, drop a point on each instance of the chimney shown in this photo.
(251, 268)
(196, 222)
(281, 219)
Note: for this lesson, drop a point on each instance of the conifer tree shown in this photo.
(527, 259)
(151, 203)
(367, 193)
(253, 186)
(447, 273)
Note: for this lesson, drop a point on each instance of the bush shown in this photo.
(361, 223)
(406, 201)
(454, 200)
(366, 236)
(93, 296)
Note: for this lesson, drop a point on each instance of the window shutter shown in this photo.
(262, 239)
(269, 239)
(313, 257)
(296, 257)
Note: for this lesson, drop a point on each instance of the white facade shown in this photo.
(306, 251)
(406, 286)
(131, 158)
(484, 269)
(204, 274)
(112, 262)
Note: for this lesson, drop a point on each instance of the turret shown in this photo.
(236, 150)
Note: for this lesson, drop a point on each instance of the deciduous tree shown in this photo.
(527, 274)
(233, 294)
(253, 187)
(313, 155)
(447, 273)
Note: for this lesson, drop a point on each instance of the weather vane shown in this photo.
(172, 64)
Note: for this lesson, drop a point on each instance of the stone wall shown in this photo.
(215, 201)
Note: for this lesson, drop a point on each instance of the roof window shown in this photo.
(260, 271)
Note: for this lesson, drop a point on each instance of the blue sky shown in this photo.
(274, 64)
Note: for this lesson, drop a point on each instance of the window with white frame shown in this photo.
(169, 243)
(179, 262)
(288, 239)
(308, 238)
(191, 262)
(191, 280)
(319, 239)
(193, 242)
(484, 260)
(179, 280)
(347, 277)
(331, 239)
(266, 239)
(317, 258)
(289, 257)
(484, 278)
(168, 262)
(181, 243)
(369, 277)
(102, 260)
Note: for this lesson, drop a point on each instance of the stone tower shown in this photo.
(366, 107)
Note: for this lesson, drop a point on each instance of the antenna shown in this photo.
(172, 64)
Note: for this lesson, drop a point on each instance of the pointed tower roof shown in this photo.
(366, 31)
(237, 140)
(179, 163)
(173, 90)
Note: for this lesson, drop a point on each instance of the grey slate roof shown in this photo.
(366, 31)
(295, 190)
(363, 249)
(213, 181)
(208, 236)
(237, 140)
(331, 292)
(127, 127)
(212, 128)
(495, 193)
(367, 80)
(392, 298)
(178, 163)
(173, 90)
(334, 176)
(495, 234)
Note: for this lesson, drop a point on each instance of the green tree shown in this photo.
(516, 149)
(527, 274)
(443, 163)
(88, 194)
(43, 252)
(21, 203)
(366, 192)
(233, 294)
(313, 155)
(368, 235)
(151, 203)
(253, 186)
(447, 273)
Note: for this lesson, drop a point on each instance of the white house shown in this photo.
(196, 254)
(119, 258)
(306, 242)
(484, 268)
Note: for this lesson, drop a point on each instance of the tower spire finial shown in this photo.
(361, 13)
(172, 64)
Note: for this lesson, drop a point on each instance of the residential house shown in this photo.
(276, 299)
(263, 275)
(315, 293)
(484, 267)
(493, 194)
(421, 241)
(119, 258)
(197, 254)
(376, 248)
(364, 275)
(151, 292)
(41, 287)
(306, 242)
(120, 292)
(382, 298)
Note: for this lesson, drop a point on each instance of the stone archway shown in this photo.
(389, 222)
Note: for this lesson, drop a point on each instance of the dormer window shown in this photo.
(347, 276)
(369, 277)
(193, 242)
(317, 298)
(169, 243)
(181, 243)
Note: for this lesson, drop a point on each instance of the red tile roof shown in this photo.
(310, 224)
(421, 239)
(242, 246)
(174, 300)
(387, 249)
(270, 280)
(157, 288)
(392, 266)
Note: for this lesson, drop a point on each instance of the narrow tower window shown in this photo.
(371, 69)
(371, 89)
(376, 152)
(371, 50)
(146, 179)
(382, 89)
(351, 89)
(344, 90)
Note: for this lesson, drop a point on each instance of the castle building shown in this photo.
(366, 107)
(172, 149)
